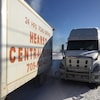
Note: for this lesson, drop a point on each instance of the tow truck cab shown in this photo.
(81, 60)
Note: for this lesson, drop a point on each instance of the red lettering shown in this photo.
(31, 37)
(31, 66)
(34, 52)
(31, 53)
(26, 54)
(27, 21)
(12, 58)
(20, 54)
(34, 38)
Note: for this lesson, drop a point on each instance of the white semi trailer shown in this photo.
(81, 61)
(25, 45)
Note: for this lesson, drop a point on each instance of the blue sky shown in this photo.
(64, 15)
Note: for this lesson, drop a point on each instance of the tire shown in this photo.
(92, 85)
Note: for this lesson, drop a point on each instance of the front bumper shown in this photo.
(80, 76)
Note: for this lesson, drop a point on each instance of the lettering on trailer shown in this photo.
(22, 54)
(37, 39)
(33, 25)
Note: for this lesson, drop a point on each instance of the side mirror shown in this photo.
(62, 47)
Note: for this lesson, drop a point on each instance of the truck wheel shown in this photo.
(92, 85)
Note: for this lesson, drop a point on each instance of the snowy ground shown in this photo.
(55, 89)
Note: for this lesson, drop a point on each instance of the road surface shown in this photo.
(55, 89)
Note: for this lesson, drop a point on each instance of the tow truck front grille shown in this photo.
(79, 64)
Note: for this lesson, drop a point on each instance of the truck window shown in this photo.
(82, 45)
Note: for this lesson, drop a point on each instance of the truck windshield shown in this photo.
(82, 45)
